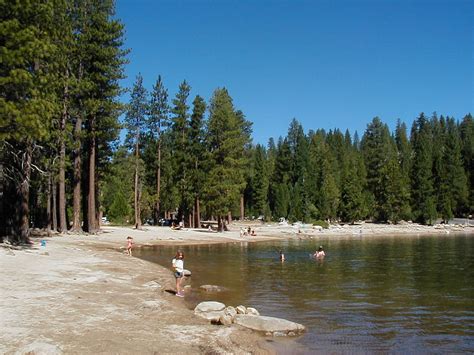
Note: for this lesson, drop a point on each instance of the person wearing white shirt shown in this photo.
(178, 265)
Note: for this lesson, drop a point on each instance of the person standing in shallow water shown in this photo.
(178, 265)
(320, 254)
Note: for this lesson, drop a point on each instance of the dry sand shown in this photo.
(82, 294)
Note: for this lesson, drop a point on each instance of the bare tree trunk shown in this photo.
(54, 208)
(62, 163)
(76, 198)
(229, 217)
(24, 190)
(197, 219)
(136, 195)
(48, 205)
(242, 210)
(158, 180)
(91, 207)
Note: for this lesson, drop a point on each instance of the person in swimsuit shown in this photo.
(319, 254)
(129, 245)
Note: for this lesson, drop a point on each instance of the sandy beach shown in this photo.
(82, 294)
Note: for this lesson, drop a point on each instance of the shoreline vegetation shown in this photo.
(77, 293)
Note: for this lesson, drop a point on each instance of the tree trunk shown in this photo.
(62, 160)
(77, 174)
(197, 218)
(220, 224)
(242, 210)
(23, 208)
(229, 217)
(62, 180)
(54, 207)
(136, 195)
(158, 180)
(91, 208)
(76, 198)
(48, 205)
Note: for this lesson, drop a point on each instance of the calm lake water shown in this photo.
(390, 294)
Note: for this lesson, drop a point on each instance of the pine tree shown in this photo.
(466, 129)
(404, 159)
(179, 135)
(380, 157)
(102, 69)
(135, 121)
(454, 180)
(198, 156)
(260, 184)
(227, 139)
(279, 198)
(157, 120)
(423, 201)
(27, 104)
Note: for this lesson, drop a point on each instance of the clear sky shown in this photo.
(329, 63)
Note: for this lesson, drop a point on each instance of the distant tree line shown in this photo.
(189, 165)
(62, 167)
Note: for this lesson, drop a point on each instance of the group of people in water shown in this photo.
(318, 254)
(178, 262)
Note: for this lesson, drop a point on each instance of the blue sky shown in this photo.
(329, 64)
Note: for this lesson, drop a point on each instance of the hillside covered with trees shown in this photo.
(63, 166)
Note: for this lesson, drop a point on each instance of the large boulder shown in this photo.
(269, 325)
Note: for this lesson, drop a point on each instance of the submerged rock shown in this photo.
(212, 288)
(271, 325)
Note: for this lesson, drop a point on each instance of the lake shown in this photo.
(369, 294)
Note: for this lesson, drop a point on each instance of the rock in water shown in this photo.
(272, 325)
(210, 306)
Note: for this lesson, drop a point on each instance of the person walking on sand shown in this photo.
(319, 254)
(178, 265)
(129, 245)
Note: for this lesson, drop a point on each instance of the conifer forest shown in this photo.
(64, 164)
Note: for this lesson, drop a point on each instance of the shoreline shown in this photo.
(80, 294)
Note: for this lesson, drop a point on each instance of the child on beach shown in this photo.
(129, 245)
(319, 254)
(178, 265)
